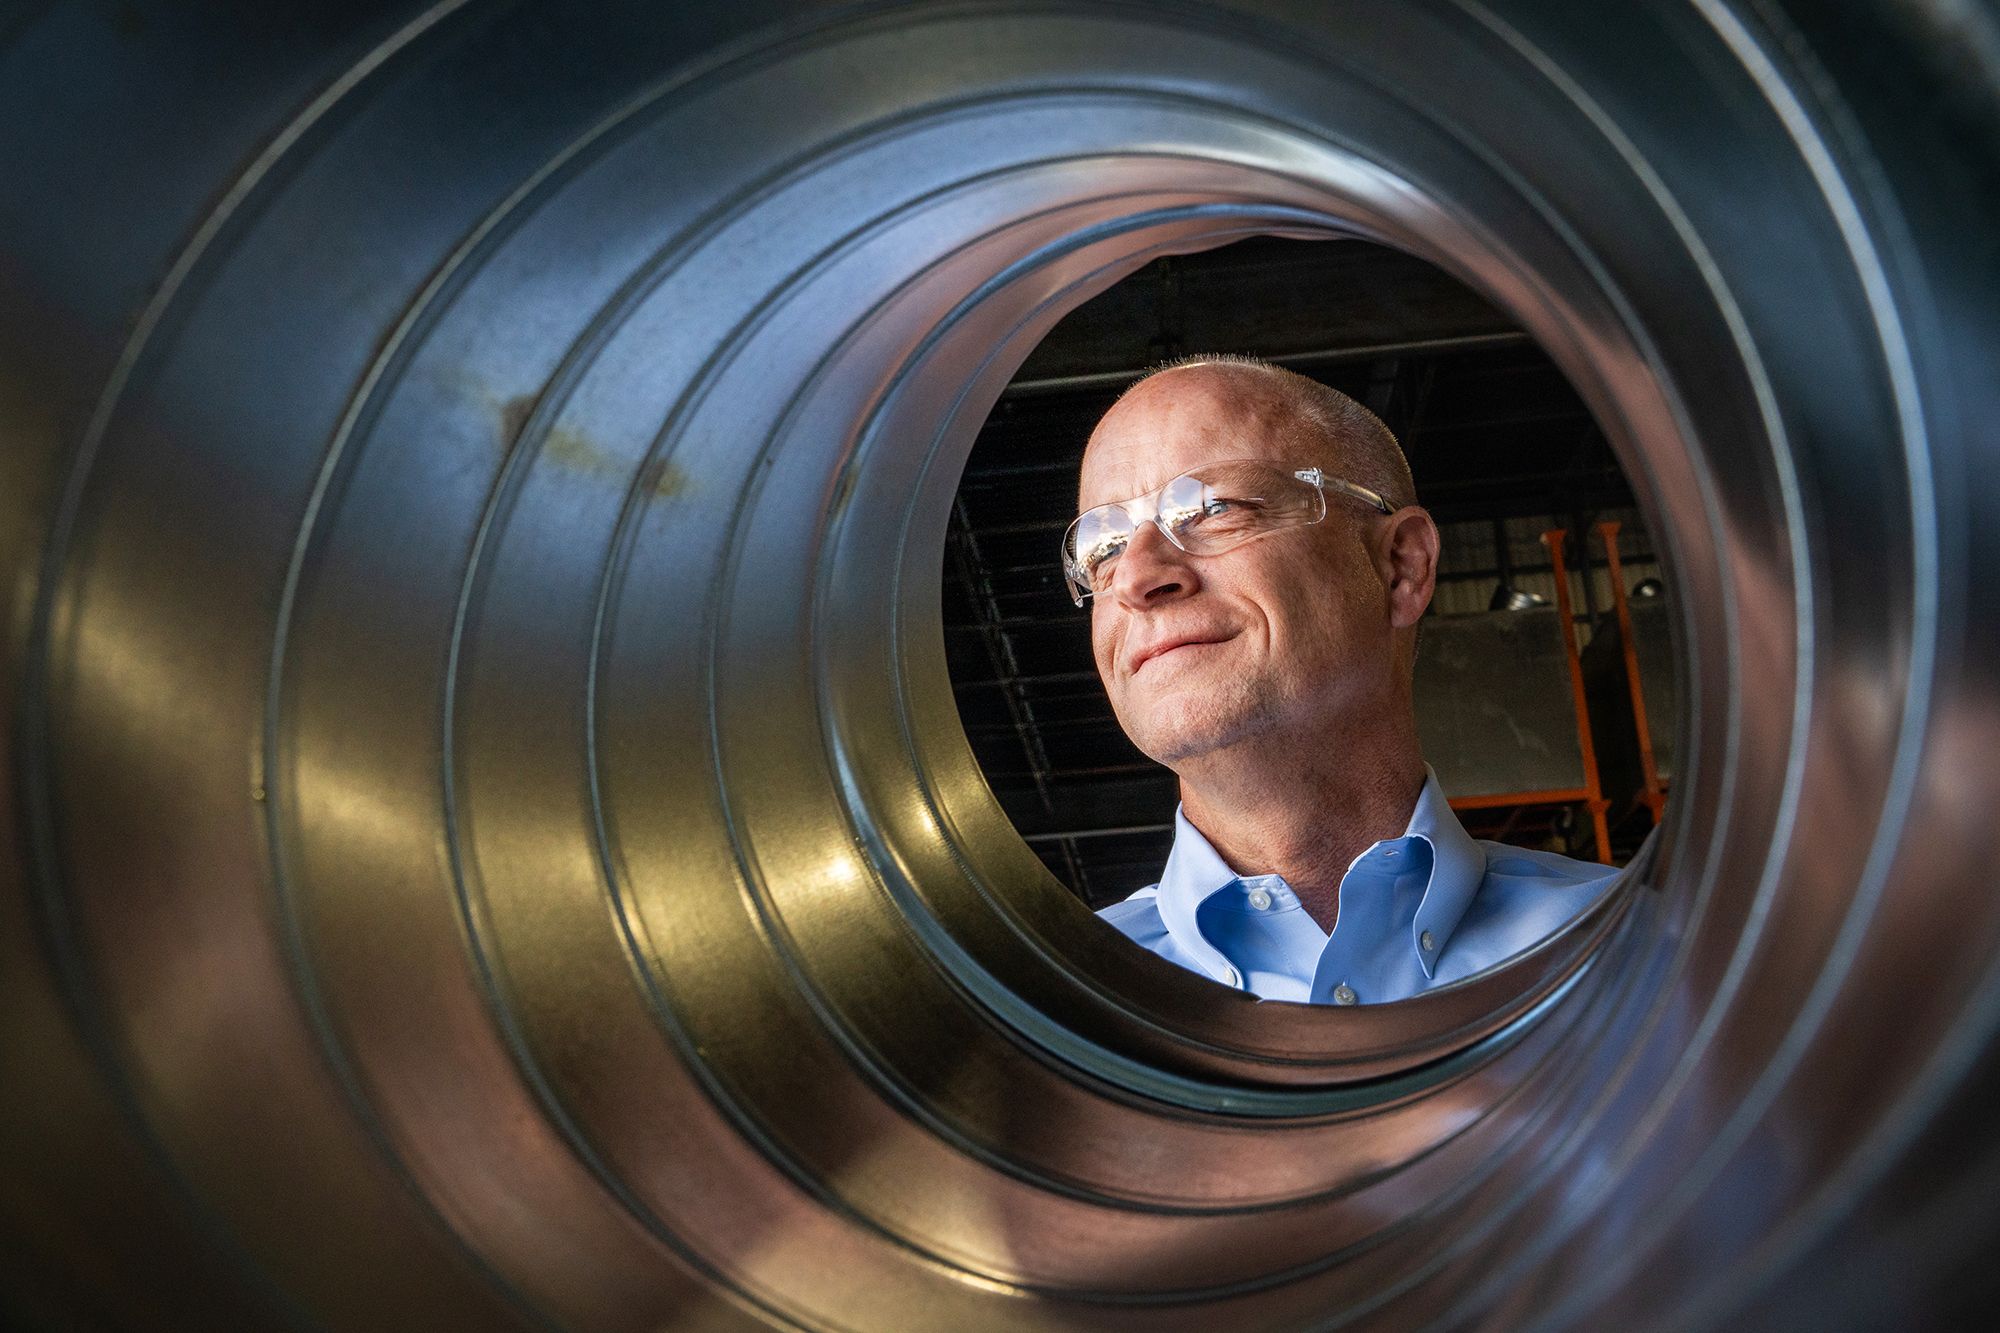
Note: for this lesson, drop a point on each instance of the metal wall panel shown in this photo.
(1495, 710)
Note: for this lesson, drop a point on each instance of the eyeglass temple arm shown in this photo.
(1361, 493)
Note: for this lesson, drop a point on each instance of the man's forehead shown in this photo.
(1178, 420)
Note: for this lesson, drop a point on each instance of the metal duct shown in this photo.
(491, 841)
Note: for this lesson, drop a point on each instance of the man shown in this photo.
(1256, 564)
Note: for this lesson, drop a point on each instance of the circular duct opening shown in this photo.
(1504, 454)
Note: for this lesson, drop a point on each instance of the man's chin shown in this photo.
(1190, 732)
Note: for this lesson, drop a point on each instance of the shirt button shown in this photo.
(1260, 899)
(1427, 941)
(1344, 994)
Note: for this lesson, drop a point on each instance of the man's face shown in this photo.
(1289, 630)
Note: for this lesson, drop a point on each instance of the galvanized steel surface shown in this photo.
(492, 841)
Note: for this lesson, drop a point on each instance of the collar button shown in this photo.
(1344, 994)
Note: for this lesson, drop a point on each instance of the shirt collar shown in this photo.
(1195, 871)
(1458, 866)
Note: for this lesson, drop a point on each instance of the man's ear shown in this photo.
(1407, 554)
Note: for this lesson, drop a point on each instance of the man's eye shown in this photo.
(1228, 507)
(1102, 554)
(1213, 507)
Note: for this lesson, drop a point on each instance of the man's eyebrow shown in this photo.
(1129, 495)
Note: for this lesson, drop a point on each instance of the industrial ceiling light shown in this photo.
(1506, 597)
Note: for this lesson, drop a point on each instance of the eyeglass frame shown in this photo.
(1312, 476)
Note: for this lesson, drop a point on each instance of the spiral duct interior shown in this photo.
(495, 845)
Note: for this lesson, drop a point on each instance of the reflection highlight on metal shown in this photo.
(494, 843)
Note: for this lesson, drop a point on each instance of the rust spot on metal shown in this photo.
(669, 481)
(571, 448)
(514, 415)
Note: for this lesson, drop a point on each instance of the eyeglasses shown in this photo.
(1204, 511)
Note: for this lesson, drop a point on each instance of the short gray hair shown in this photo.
(1368, 453)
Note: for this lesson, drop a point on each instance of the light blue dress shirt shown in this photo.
(1422, 910)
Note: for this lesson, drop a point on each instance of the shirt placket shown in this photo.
(1379, 896)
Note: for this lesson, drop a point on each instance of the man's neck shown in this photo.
(1304, 812)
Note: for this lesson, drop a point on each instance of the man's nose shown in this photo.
(1152, 570)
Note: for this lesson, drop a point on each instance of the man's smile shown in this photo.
(1175, 643)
